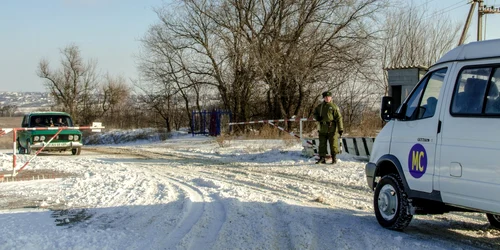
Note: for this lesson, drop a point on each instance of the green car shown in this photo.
(47, 123)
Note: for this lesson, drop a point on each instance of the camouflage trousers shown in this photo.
(332, 139)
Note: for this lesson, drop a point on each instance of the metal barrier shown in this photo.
(358, 146)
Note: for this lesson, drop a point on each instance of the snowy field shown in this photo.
(190, 193)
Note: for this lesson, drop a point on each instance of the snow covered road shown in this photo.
(190, 193)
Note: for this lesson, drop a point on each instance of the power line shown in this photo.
(428, 1)
(415, 7)
(447, 9)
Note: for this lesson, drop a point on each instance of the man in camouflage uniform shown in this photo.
(327, 114)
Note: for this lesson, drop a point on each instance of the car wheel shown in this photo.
(494, 220)
(20, 149)
(28, 150)
(76, 151)
(391, 203)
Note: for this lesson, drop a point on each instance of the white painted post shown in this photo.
(300, 130)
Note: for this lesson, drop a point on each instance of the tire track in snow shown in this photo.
(251, 179)
(194, 209)
(340, 189)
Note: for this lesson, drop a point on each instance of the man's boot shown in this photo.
(334, 159)
(321, 160)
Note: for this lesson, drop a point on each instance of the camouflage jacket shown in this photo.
(329, 118)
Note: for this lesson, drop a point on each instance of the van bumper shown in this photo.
(370, 173)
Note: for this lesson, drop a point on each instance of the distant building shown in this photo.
(402, 80)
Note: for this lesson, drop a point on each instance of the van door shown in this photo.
(414, 135)
(469, 173)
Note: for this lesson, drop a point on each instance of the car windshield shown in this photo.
(51, 121)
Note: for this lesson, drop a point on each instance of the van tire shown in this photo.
(494, 220)
(391, 204)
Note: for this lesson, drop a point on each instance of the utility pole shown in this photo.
(467, 23)
(481, 11)
(480, 21)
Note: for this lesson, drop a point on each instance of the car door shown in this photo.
(415, 133)
(470, 170)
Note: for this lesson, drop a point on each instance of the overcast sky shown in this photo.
(108, 31)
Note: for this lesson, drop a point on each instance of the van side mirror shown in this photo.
(386, 108)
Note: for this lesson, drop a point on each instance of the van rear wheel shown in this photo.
(494, 220)
(391, 203)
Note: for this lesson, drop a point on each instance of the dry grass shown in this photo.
(259, 132)
(369, 127)
(320, 199)
(223, 140)
(264, 131)
(8, 122)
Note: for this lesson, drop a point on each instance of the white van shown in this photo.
(438, 152)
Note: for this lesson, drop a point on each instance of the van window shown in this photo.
(493, 99)
(470, 91)
(423, 101)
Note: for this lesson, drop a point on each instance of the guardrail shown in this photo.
(357, 146)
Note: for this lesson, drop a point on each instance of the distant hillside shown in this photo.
(26, 101)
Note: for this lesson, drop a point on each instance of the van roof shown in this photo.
(473, 50)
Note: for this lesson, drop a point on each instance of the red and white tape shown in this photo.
(57, 128)
(268, 121)
(282, 129)
(4, 131)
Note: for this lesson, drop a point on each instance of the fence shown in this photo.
(210, 122)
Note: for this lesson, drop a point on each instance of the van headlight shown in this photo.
(70, 137)
(76, 137)
(42, 138)
(36, 138)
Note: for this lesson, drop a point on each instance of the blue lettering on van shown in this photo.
(417, 161)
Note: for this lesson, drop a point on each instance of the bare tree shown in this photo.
(276, 53)
(73, 83)
(8, 110)
(414, 37)
(354, 98)
(78, 89)
(108, 102)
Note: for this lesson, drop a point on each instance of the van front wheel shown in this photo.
(391, 203)
(494, 220)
